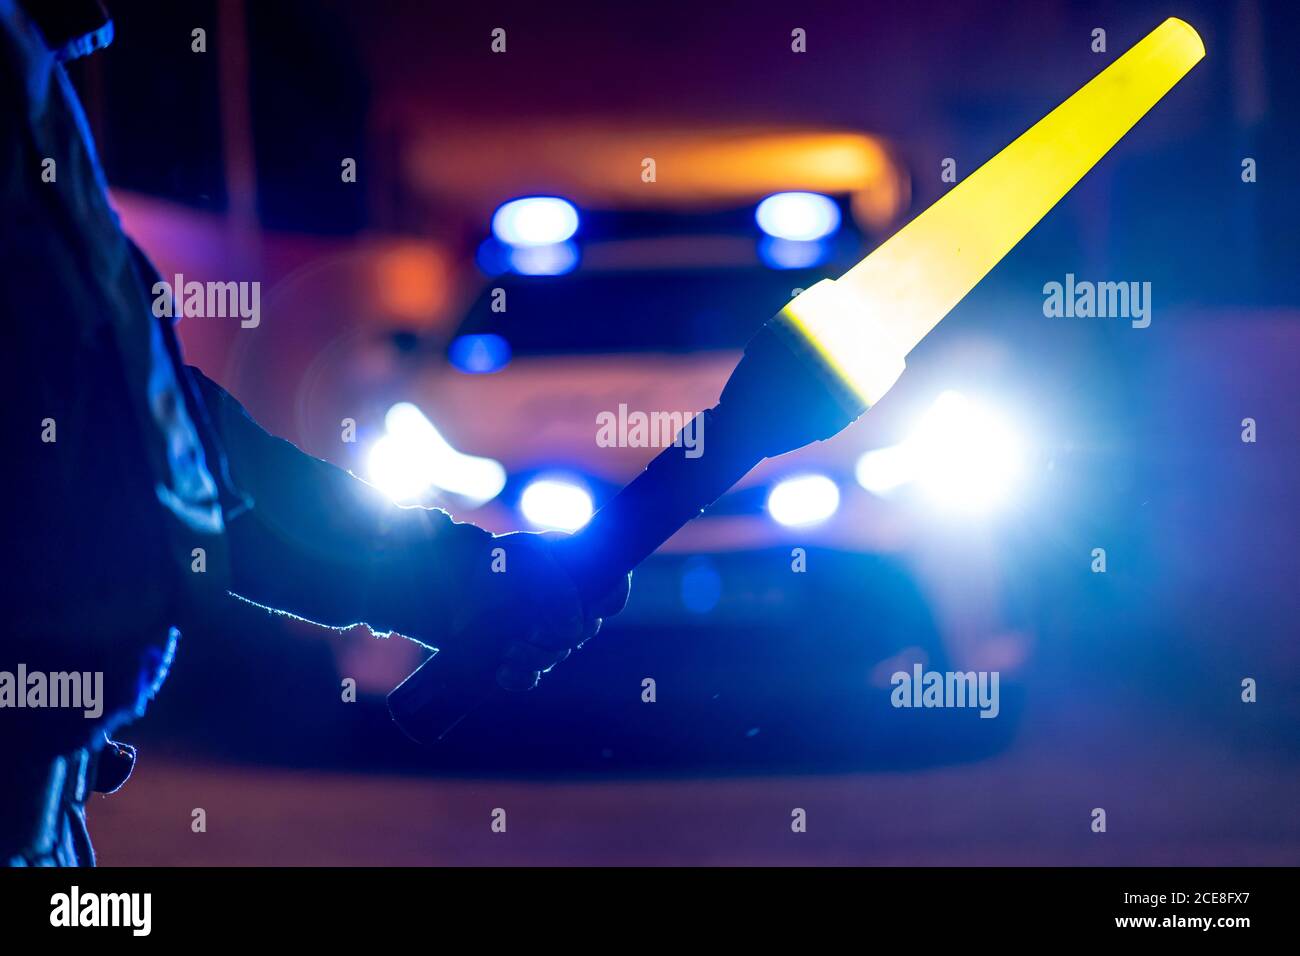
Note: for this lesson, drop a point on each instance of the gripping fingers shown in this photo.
(525, 663)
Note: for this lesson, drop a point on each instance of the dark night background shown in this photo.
(1119, 690)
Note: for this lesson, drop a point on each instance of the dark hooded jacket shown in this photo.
(123, 463)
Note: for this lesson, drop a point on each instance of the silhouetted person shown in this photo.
(122, 461)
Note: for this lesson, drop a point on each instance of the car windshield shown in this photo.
(680, 311)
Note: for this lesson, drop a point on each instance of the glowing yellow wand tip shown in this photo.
(864, 324)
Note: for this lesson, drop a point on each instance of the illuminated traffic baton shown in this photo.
(837, 348)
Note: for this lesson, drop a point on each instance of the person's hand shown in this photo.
(545, 619)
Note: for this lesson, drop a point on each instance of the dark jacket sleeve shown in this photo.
(324, 545)
(88, 560)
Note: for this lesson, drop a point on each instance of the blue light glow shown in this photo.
(966, 457)
(701, 586)
(798, 216)
(805, 500)
(412, 458)
(556, 504)
(535, 221)
(793, 254)
(553, 260)
(479, 354)
(492, 257)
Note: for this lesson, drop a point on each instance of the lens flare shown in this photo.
(803, 500)
(413, 457)
(963, 455)
(556, 504)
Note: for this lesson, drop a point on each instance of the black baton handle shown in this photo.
(779, 398)
(673, 489)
